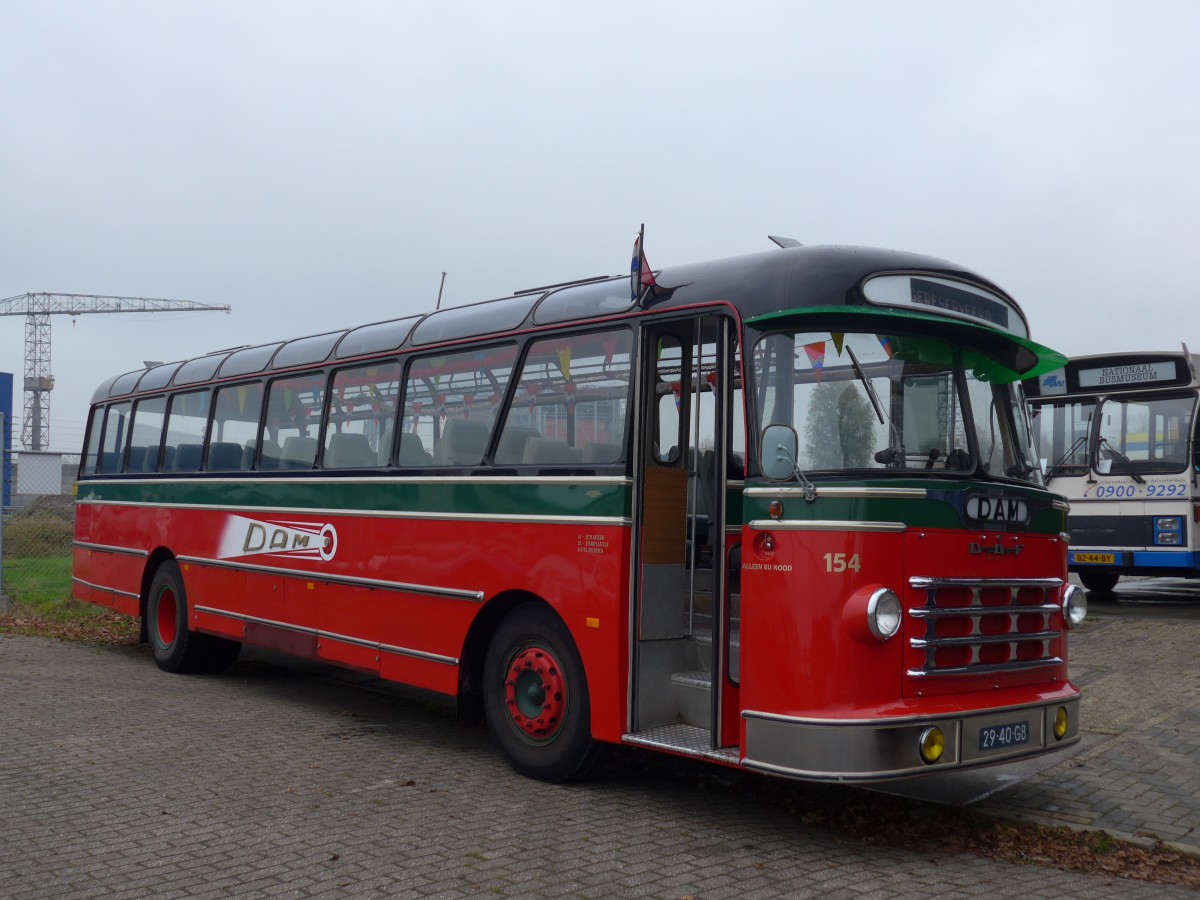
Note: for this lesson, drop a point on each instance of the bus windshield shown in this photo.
(1151, 433)
(894, 402)
(1061, 431)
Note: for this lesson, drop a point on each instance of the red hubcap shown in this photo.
(536, 693)
(168, 622)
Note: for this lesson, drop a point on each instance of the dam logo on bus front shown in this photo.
(261, 537)
(1004, 510)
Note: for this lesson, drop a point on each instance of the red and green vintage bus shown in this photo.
(779, 511)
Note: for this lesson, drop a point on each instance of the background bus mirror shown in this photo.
(1043, 463)
(779, 447)
(1104, 466)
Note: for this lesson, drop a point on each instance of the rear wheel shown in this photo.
(1100, 582)
(175, 647)
(536, 698)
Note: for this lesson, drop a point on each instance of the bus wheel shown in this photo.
(166, 620)
(1100, 582)
(535, 697)
(175, 647)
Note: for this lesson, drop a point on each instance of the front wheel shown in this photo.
(536, 697)
(1100, 582)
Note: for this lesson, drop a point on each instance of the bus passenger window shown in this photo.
(362, 410)
(668, 422)
(116, 434)
(450, 404)
(293, 419)
(570, 403)
(147, 431)
(235, 428)
(184, 444)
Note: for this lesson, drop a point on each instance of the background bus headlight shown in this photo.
(1074, 603)
(1168, 531)
(883, 613)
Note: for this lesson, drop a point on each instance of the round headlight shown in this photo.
(883, 614)
(1060, 723)
(1074, 602)
(933, 744)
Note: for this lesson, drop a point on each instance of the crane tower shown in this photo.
(37, 310)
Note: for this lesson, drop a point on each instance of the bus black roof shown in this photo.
(755, 284)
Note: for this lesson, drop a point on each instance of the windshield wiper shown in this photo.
(895, 450)
(1082, 439)
(1125, 461)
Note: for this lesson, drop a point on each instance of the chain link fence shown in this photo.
(35, 570)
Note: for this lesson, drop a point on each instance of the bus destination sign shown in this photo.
(941, 294)
(1134, 373)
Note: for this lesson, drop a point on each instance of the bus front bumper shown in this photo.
(884, 749)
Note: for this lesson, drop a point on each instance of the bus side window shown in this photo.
(235, 428)
(570, 403)
(186, 423)
(668, 422)
(293, 419)
(450, 404)
(362, 409)
(116, 435)
(149, 415)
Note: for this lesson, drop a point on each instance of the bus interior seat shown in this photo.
(349, 450)
(513, 439)
(110, 462)
(543, 451)
(412, 450)
(463, 442)
(298, 453)
(599, 452)
(224, 456)
(168, 460)
(150, 458)
(136, 457)
(187, 458)
(268, 458)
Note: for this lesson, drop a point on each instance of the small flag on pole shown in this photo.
(816, 357)
(640, 275)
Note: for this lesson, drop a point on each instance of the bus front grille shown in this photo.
(981, 626)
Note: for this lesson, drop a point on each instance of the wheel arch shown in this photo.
(470, 668)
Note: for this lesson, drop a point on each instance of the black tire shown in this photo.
(175, 647)
(535, 697)
(1099, 582)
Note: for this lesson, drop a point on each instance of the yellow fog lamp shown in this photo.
(1060, 723)
(933, 744)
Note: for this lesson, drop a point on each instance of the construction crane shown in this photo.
(37, 310)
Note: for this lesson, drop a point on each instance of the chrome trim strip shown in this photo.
(329, 578)
(923, 583)
(323, 475)
(109, 548)
(109, 590)
(848, 493)
(823, 525)
(513, 518)
(1018, 666)
(972, 640)
(901, 720)
(921, 612)
(1060, 505)
(333, 636)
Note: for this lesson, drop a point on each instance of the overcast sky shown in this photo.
(319, 165)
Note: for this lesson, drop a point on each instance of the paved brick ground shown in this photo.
(1137, 771)
(278, 781)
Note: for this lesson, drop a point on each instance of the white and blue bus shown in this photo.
(1116, 436)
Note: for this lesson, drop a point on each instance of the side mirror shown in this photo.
(779, 447)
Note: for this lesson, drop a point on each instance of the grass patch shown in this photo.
(41, 582)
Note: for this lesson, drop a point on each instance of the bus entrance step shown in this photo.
(687, 740)
(693, 692)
